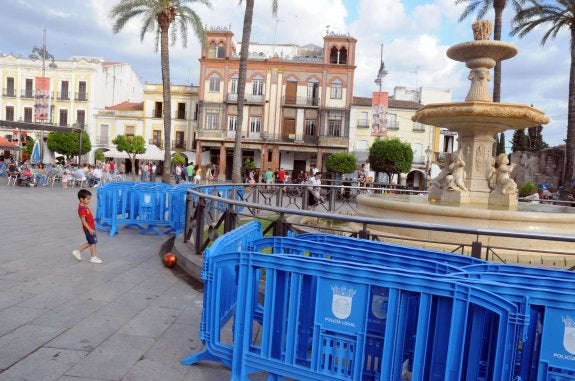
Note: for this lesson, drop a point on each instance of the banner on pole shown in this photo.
(379, 114)
(41, 99)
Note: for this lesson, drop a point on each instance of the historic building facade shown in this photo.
(297, 102)
(75, 89)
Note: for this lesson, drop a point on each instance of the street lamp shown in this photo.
(381, 73)
(428, 153)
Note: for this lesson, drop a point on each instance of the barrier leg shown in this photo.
(203, 355)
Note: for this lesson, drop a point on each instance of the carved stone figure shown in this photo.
(482, 30)
(439, 182)
(504, 183)
(457, 169)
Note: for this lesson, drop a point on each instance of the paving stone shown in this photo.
(69, 314)
(46, 364)
(23, 341)
(113, 359)
(148, 370)
(151, 322)
(89, 333)
(127, 305)
(14, 317)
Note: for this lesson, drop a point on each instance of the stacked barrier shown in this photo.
(155, 208)
(340, 308)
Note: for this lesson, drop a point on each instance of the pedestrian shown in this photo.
(197, 174)
(178, 173)
(88, 226)
(153, 172)
(314, 192)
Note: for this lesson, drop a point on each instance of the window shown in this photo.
(212, 121)
(28, 114)
(81, 117)
(29, 92)
(258, 86)
(158, 110)
(81, 91)
(214, 84)
(392, 122)
(336, 89)
(221, 50)
(212, 50)
(103, 137)
(334, 127)
(233, 123)
(10, 113)
(180, 139)
(313, 93)
(363, 121)
(418, 127)
(64, 91)
(10, 92)
(181, 111)
(63, 118)
(234, 86)
(129, 130)
(157, 137)
(255, 124)
(310, 127)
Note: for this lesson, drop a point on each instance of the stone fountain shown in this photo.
(474, 189)
(471, 176)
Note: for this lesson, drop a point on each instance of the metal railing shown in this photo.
(27, 93)
(286, 207)
(9, 92)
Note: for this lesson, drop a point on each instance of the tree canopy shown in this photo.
(341, 162)
(391, 156)
(132, 145)
(68, 143)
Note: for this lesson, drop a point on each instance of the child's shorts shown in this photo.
(92, 239)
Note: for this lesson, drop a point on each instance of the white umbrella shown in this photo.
(115, 154)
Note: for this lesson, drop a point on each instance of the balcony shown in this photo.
(210, 134)
(249, 98)
(300, 101)
(333, 141)
(392, 125)
(363, 123)
(102, 140)
(81, 97)
(27, 93)
(63, 96)
(178, 144)
(157, 142)
(9, 92)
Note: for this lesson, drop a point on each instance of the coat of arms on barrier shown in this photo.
(569, 334)
(341, 301)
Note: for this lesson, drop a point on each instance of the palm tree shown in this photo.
(246, 34)
(169, 19)
(481, 7)
(560, 14)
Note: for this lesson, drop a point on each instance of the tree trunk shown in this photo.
(165, 61)
(237, 164)
(498, 7)
(570, 141)
(133, 169)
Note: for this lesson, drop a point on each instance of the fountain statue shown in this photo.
(474, 189)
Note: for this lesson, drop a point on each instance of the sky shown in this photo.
(415, 35)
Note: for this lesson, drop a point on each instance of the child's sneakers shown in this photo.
(77, 254)
(95, 260)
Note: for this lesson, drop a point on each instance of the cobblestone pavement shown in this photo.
(129, 318)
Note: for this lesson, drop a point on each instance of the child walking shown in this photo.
(88, 225)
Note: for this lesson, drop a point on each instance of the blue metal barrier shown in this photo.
(151, 207)
(413, 314)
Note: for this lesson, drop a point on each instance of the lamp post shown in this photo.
(381, 73)
(428, 153)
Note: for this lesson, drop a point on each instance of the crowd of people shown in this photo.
(193, 174)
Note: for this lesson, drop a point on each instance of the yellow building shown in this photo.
(76, 88)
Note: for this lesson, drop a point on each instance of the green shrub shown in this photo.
(527, 189)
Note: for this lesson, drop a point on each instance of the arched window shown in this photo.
(221, 50)
(343, 56)
(258, 85)
(212, 50)
(333, 55)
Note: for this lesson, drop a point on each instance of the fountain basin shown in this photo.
(472, 50)
(528, 218)
(495, 117)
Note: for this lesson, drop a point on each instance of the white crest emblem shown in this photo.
(341, 301)
(569, 334)
(379, 306)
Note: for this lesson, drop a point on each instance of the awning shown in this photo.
(5, 144)
(152, 153)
